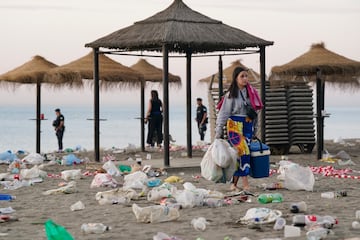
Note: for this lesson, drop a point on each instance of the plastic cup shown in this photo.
(298, 207)
(357, 214)
(279, 223)
(148, 156)
(291, 231)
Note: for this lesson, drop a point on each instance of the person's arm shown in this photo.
(61, 125)
(203, 118)
(148, 112)
(223, 115)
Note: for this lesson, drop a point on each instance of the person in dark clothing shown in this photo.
(201, 118)
(59, 126)
(155, 118)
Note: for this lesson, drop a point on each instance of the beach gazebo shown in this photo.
(150, 74)
(33, 72)
(321, 65)
(112, 74)
(179, 29)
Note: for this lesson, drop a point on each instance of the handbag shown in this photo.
(250, 112)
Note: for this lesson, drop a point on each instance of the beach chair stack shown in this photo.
(289, 117)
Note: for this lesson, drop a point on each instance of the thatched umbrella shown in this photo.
(32, 72)
(151, 74)
(322, 65)
(111, 73)
(227, 74)
(179, 29)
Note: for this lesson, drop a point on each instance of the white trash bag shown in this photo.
(209, 170)
(299, 178)
(223, 154)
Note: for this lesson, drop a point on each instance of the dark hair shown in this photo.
(154, 95)
(198, 99)
(234, 89)
(57, 110)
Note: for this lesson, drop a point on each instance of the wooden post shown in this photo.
(221, 88)
(142, 115)
(38, 112)
(263, 91)
(96, 106)
(320, 88)
(188, 104)
(165, 51)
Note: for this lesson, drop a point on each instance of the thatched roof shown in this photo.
(30, 72)
(227, 74)
(334, 67)
(182, 29)
(152, 73)
(110, 71)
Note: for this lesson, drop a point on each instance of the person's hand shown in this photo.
(145, 120)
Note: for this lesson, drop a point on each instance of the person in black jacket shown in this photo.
(201, 118)
(59, 125)
(155, 118)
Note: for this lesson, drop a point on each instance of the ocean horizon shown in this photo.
(121, 126)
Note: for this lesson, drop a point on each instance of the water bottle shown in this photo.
(94, 228)
(213, 202)
(56, 232)
(313, 220)
(298, 207)
(6, 197)
(317, 234)
(270, 198)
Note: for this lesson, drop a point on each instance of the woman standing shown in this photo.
(240, 127)
(155, 118)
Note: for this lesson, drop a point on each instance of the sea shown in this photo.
(121, 126)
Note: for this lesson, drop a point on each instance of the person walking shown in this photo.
(236, 112)
(155, 118)
(201, 118)
(59, 125)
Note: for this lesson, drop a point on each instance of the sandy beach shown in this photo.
(33, 208)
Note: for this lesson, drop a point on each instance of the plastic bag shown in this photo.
(69, 188)
(222, 153)
(103, 180)
(116, 196)
(33, 158)
(73, 174)
(33, 172)
(111, 169)
(299, 178)
(135, 180)
(209, 170)
(189, 199)
(155, 214)
(164, 190)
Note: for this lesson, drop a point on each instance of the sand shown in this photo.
(33, 208)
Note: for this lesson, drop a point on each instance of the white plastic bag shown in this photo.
(222, 153)
(116, 196)
(155, 214)
(33, 172)
(103, 180)
(209, 170)
(299, 178)
(33, 158)
(135, 180)
(111, 169)
(72, 174)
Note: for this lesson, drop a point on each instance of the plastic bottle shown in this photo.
(94, 228)
(6, 197)
(317, 234)
(313, 220)
(56, 232)
(155, 213)
(279, 223)
(213, 202)
(270, 198)
(298, 207)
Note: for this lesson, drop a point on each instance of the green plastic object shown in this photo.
(270, 198)
(56, 232)
(124, 168)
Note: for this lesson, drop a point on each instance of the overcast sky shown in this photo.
(58, 31)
